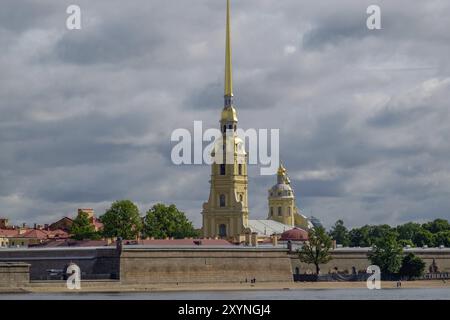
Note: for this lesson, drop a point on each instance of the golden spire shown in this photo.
(228, 66)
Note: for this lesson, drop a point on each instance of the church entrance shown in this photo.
(222, 230)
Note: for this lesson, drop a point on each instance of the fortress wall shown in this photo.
(14, 275)
(204, 265)
(93, 262)
(345, 259)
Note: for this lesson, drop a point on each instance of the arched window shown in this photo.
(240, 169)
(297, 270)
(222, 200)
(222, 170)
(222, 230)
(279, 211)
(241, 198)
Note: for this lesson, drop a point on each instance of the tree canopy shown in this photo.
(122, 220)
(82, 228)
(163, 221)
(387, 254)
(412, 266)
(433, 233)
(340, 233)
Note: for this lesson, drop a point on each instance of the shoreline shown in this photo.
(116, 287)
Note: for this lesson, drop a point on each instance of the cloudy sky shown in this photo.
(86, 115)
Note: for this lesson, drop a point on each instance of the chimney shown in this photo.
(274, 240)
(46, 226)
(24, 225)
(4, 223)
(247, 239)
(35, 226)
(254, 239)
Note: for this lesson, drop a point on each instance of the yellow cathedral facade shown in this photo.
(226, 213)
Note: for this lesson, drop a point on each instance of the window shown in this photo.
(222, 200)
(279, 211)
(289, 210)
(222, 230)
(224, 129)
(271, 211)
(241, 198)
(222, 170)
(240, 169)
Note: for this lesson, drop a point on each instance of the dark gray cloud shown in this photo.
(86, 116)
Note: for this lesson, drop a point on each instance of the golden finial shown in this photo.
(228, 65)
(281, 170)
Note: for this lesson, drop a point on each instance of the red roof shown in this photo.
(73, 243)
(9, 233)
(179, 242)
(295, 234)
(34, 233)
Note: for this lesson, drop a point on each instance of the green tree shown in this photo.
(82, 228)
(163, 221)
(380, 232)
(387, 254)
(437, 225)
(442, 238)
(340, 233)
(412, 266)
(408, 230)
(359, 237)
(317, 249)
(423, 238)
(122, 220)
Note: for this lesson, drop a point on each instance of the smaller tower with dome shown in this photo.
(282, 207)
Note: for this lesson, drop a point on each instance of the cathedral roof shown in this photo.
(295, 234)
(267, 227)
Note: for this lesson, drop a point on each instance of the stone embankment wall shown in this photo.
(14, 275)
(204, 265)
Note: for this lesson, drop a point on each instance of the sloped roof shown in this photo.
(267, 227)
(34, 233)
(9, 233)
(296, 234)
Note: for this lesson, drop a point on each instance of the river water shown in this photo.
(304, 294)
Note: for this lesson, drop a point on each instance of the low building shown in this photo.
(25, 237)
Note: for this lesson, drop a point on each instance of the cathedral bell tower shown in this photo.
(282, 200)
(225, 215)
